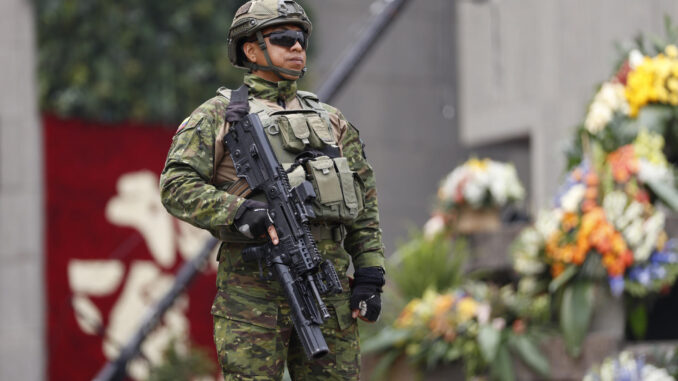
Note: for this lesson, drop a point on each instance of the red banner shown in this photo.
(112, 249)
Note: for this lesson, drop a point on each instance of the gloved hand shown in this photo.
(365, 299)
(252, 219)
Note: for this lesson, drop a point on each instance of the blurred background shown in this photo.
(92, 92)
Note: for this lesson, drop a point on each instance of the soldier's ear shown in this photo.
(250, 51)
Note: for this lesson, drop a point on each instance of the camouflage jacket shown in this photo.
(196, 171)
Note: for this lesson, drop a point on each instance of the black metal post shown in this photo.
(341, 74)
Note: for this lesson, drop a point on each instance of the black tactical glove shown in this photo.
(252, 219)
(366, 293)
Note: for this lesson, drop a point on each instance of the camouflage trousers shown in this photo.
(254, 334)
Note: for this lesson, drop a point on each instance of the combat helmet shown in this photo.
(255, 16)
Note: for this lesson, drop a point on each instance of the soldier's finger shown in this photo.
(355, 313)
(273, 234)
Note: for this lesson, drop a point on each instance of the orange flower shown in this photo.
(620, 174)
(587, 205)
(592, 179)
(627, 257)
(616, 268)
(624, 163)
(443, 304)
(579, 255)
(570, 221)
(557, 269)
(577, 174)
(618, 243)
(566, 253)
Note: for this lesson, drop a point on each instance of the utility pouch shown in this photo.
(349, 187)
(338, 193)
(302, 129)
(326, 180)
(320, 133)
(294, 132)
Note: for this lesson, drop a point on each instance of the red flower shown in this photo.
(623, 73)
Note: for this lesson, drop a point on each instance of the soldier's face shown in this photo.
(292, 57)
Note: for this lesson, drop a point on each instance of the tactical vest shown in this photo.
(302, 141)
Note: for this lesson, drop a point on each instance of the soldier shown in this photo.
(253, 331)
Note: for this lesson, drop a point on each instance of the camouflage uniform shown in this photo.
(253, 330)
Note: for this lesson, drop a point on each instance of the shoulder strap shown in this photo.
(238, 108)
(224, 92)
(239, 105)
(308, 99)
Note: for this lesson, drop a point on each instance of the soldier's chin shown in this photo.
(290, 77)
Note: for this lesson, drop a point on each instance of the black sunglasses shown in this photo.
(288, 38)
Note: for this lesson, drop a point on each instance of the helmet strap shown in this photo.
(275, 69)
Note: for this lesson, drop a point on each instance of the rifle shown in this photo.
(295, 261)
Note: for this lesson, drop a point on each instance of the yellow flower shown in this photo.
(442, 304)
(478, 165)
(671, 51)
(466, 309)
(406, 317)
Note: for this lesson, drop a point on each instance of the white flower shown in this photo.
(474, 181)
(474, 193)
(498, 323)
(633, 233)
(483, 313)
(433, 226)
(597, 118)
(548, 221)
(633, 212)
(610, 98)
(528, 266)
(653, 172)
(531, 238)
(635, 58)
(571, 200)
(527, 285)
(614, 204)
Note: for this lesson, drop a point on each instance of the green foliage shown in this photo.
(177, 365)
(148, 61)
(638, 318)
(527, 350)
(145, 61)
(576, 311)
(423, 263)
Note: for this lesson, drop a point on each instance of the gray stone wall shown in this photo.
(22, 340)
(402, 99)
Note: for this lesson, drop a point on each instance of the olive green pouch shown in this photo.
(326, 180)
(320, 133)
(348, 187)
(294, 132)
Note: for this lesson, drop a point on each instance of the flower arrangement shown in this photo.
(627, 367)
(603, 227)
(480, 183)
(469, 197)
(479, 324)
(606, 224)
(642, 94)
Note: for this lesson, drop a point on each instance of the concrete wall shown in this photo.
(528, 68)
(402, 99)
(22, 341)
